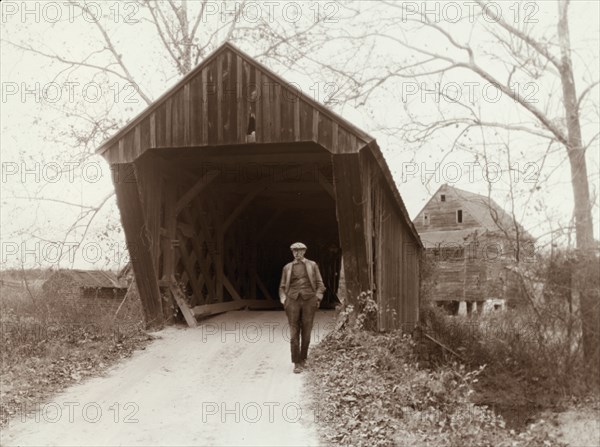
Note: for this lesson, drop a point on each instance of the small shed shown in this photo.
(223, 172)
(86, 284)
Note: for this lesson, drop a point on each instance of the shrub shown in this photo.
(512, 340)
(365, 316)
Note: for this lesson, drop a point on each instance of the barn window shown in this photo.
(425, 219)
(443, 197)
(459, 216)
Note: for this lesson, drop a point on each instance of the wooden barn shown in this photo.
(223, 172)
(473, 242)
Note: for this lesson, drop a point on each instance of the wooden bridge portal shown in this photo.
(222, 173)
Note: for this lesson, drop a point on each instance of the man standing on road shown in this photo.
(300, 291)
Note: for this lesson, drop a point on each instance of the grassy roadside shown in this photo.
(533, 367)
(370, 389)
(47, 344)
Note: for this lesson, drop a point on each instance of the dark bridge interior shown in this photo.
(263, 200)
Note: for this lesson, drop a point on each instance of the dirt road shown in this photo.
(227, 382)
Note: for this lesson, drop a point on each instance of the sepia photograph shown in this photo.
(362, 223)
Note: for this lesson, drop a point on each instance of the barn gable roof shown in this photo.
(490, 216)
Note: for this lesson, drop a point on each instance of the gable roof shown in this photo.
(225, 47)
(490, 216)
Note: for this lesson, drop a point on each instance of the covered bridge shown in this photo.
(223, 172)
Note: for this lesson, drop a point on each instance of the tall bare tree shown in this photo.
(513, 56)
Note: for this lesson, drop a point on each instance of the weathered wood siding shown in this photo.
(151, 186)
(442, 215)
(139, 241)
(392, 251)
(213, 104)
(476, 275)
(348, 178)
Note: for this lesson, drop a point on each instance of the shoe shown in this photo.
(297, 368)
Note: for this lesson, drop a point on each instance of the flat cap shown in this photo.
(298, 246)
